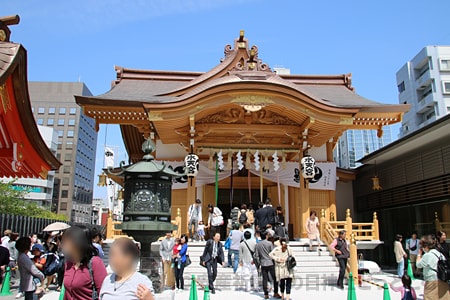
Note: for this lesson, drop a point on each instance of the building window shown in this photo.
(50, 122)
(51, 110)
(60, 133)
(67, 169)
(69, 145)
(61, 122)
(73, 111)
(63, 206)
(448, 109)
(41, 110)
(69, 133)
(64, 194)
(444, 64)
(40, 121)
(71, 122)
(401, 87)
(65, 181)
(67, 157)
(446, 87)
(62, 110)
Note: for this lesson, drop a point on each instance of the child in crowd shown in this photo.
(201, 231)
(407, 290)
(27, 269)
(175, 251)
(39, 260)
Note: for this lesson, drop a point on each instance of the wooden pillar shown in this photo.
(303, 201)
(331, 194)
(190, 195)
(353, 257)
(376, 230)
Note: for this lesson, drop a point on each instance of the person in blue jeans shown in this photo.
(236, 237)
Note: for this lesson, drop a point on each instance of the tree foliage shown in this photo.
(12, 201)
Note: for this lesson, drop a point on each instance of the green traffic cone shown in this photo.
(410, 271)
(193, 291)
(386, 294)
(5, 291)
(62, 292)
(206, 294)
(351, 295)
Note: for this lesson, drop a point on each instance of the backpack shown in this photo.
(51, 264)
(255, 257)
(408, 295)
(442, 268)
(291, 263)
(243, 218)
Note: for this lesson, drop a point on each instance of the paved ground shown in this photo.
(365, 292)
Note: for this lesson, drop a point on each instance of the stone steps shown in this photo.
(313, 268)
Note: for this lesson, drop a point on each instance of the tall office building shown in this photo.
(54, 105)
(39, 190)
(355, 144)
(424, 83)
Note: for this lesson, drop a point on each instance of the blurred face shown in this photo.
(119, 262)
(217, 237)
(414, 236)
(183, 240)
(344, 235)
(443, 237)
(36, 252)
(70, 250)
(168, 235)
(34, 239)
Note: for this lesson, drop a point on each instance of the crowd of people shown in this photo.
(257, 243)
(426, 256)
(72, 260)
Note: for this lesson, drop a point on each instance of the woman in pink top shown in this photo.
(84, 271)
(407, 290)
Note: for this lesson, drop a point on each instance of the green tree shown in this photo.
(12, 201)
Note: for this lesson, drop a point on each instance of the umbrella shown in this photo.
(57, 226)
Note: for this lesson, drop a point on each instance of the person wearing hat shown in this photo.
(194, 216)
(39, 261)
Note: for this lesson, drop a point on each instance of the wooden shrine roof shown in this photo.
(23, 152)
(169, 103)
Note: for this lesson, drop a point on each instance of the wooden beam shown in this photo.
(307, 124)
(253, 128)
(246, 146)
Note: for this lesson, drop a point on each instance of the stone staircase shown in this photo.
(313, 269)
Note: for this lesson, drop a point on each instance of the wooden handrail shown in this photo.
(355, 232)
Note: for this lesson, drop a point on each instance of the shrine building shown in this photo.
(251, 123)
(23, 152)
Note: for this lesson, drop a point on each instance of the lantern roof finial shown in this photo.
(148, 146)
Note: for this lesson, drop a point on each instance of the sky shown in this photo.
(83, 40)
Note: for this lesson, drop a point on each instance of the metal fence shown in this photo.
(26, 226)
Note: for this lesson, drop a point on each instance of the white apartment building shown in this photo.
(424, 83)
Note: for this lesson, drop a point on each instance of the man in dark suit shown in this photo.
(265, 216)
(213, 255)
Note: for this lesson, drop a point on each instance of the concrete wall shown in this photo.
(344, 199)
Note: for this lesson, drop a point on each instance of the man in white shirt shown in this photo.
(246, 250)
(194, 216)
(6, 237)
(413, 247)
(165, 251)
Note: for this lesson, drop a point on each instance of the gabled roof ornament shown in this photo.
(5, 33)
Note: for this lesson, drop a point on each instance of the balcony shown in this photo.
(424, 80)
(425, 103)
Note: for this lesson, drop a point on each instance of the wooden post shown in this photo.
(177, 222)
(353, 257)
(332, 218)
(437, 223)
(322, 225)
(191, 194)
(304, 201)
(375, 228)
(349, 224)
(109, 226)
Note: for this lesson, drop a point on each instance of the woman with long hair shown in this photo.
(84, 272)
(180, 262)
(441, 244)
(283, 274)
(125, 283)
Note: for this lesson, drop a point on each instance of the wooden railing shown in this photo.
(355, 232)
